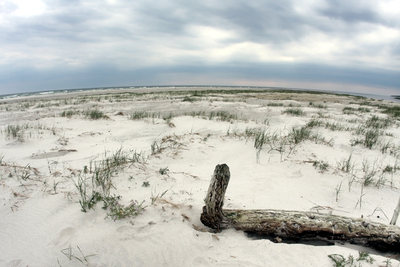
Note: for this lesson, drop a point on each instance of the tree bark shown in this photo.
(395, 214)
(212, 215)
(293, 224)
(298, 225)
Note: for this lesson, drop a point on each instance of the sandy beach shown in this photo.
(148, 157)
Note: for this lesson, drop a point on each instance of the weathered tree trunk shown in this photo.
(212, 215)
(294, 224)
(395, 214)
(298, 225)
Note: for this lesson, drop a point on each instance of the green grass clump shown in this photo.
(68, 113)
(163, 171)
(222, 115)
(318, 105)
(95, 114)
(199, 114)
(371, 138)
(336, 126)
(393, 111)
(351, 110)
(139, 115)
(378, 123)
(189, 99)
(87, 199)
(105, 169)
(96, 181)
(119, 211)
(322, 166)
(294, 111)
(14, 131)
(298, 135)
(260, 138)
(315, 123)
(340, 261)
(274, 104)
(346, 165)
(168, 117)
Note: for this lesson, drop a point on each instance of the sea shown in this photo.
(394, 98)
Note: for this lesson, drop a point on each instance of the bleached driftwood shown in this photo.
(212, 215)
(293, 224)
(395, 214)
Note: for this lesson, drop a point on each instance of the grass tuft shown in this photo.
(95, 115)
(294, 112)
(68, 113)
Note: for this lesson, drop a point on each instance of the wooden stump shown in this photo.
(293, 224)
(213, 215)
(395, 214)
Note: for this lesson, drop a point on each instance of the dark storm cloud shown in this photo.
(351, 11)
(90, 43)
(253, 20)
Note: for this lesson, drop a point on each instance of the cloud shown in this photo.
(355, 42)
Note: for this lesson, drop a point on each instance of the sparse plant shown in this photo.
(337, 191)
(322, 166)
(52, 165)
(95, 114)
(139, 157)
(68, 113)
(222, 115)
(26, 173)
(362, 194)
(138, 115)
(154, 198)
(364, 256)
(106, 168)
(163, 171)
(87, 200)
(388, 263)
(68, 253)
(55, 186)
(168, 117)
(385, 146)
(294, 105)
(319, 139)
(393, 111)
(298, 135)
(371, 137)
(351, 178)
(369, 172)
(335, 126)
(206, 138)
(315, 123)
(340, 261)
(275, 104)
(119, 211)
(189, 99)
(145, 184)
(260, 139)
(378, 123)
(346, 165)
(101, 177)
(15, 132)
(155, 147)
(318, 105)
(294, 111)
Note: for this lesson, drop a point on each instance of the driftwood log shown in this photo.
(293, 224)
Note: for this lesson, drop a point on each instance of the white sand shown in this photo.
(39, 220)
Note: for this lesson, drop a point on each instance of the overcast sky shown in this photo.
(346, 45)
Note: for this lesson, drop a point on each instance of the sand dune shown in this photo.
(162, 148)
